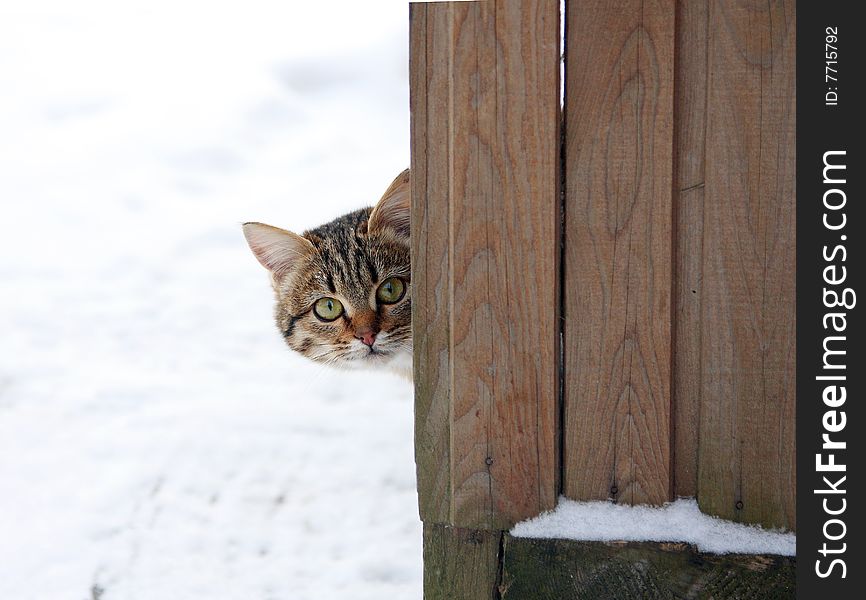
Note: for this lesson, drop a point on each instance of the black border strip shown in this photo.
(824, 126)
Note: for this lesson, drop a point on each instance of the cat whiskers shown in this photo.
(348, 357)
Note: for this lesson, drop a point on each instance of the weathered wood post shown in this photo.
(679, 262)
(672, 272)
(618, 253)
(746, 283)
(485, 208)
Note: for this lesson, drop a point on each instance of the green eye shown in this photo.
(391, 290)
(328, 309)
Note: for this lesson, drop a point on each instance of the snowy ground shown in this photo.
(157, 440)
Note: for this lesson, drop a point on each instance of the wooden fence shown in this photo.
(603, 293)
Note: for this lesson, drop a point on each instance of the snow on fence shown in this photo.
(603, 296)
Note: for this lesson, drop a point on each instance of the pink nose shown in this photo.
(366, 337)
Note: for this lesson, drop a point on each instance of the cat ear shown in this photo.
(276, 249)
(392, 211)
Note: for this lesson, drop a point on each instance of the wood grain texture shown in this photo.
(541, 569)
(618, 252)
(746, 468)
(485, 119)
(430, 89)
(460, 564)
(690, 99)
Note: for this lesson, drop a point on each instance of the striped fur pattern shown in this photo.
(347, 260)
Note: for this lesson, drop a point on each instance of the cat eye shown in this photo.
(328, 309)
(391, 290)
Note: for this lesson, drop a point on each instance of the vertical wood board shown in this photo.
(690, 99)
(618, 252)
(430, 88)
(485, 119)
(747, 445)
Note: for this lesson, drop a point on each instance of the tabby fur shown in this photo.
(346, 259)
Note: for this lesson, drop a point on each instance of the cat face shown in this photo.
(343, 290)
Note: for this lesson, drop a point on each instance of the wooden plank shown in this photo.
(618, 253)
(747, 447)
(690, 100)
(488, 128)
(543, 569)
(504, 223)
(460, 564)
(472, 320)
(429, 58)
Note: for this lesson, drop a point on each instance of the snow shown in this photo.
(679, 521)
(157, 438)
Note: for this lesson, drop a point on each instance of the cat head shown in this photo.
(343, 290)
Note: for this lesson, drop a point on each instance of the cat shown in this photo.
(344, 289)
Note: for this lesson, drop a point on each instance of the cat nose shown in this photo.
(367, 336)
